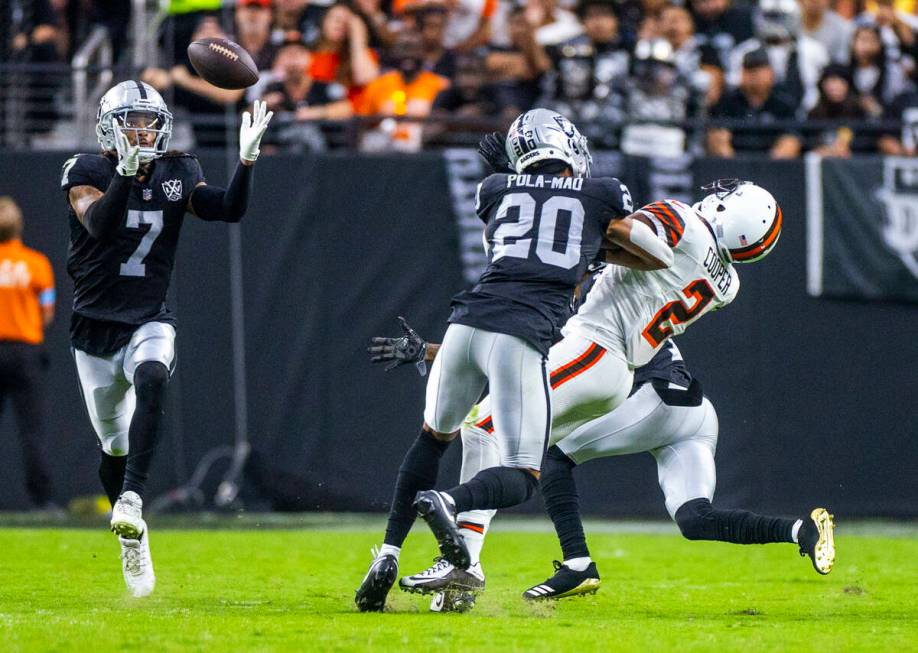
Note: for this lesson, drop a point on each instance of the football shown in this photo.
(223, 63)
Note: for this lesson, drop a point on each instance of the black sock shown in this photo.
(150, 381)
(699, 520)
(418, 472)
(494, 488)
(559, 492)
(111, 473)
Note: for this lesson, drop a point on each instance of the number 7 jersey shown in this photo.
(541, 233)
(125, 278)
(634, 312)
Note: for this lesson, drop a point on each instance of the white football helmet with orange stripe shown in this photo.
(745, 217)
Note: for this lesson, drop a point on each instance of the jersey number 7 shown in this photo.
(676, 312)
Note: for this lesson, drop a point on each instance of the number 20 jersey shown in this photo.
(542, 231)
(634, 312)
(125, 278)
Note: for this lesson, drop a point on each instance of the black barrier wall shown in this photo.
(813, 395)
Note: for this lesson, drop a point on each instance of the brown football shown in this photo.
(223, 63)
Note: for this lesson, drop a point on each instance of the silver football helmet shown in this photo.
(540, 135)
(135, 107)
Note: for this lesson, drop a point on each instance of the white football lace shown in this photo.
(133, 560)
(439, 565)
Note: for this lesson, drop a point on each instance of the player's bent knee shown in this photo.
(151, 378)
(693, 519)
(442, 437)
(115, 445)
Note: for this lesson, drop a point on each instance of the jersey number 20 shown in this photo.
(513, 238)
(676, 312)
(134, 267)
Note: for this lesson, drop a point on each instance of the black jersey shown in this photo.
(542, 231)
(121, 281)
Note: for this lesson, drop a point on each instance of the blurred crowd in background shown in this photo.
(655, 77)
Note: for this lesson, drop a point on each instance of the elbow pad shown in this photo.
(642, 236)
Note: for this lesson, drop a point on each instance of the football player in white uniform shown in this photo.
(627, 317)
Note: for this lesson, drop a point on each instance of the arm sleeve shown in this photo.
(614, 198)
(666, 219)
(105, 214)
(212, 203)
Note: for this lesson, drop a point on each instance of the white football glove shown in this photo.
(128, 155)
(252, 130)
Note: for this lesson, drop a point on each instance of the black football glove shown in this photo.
(492, 148)
(410, 348)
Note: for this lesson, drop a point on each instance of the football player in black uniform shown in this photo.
(126, 209)
(545, 221)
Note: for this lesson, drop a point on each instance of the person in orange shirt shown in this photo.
(26, 308)
(409, 90)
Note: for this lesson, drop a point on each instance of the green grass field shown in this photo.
(292, 590)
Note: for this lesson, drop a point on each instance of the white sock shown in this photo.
(578, 564)
(474, 541)
(388, 549)
(796, 529)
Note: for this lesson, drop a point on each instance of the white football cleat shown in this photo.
(137, 564)
(127, 516)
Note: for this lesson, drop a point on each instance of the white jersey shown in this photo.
(634, 312)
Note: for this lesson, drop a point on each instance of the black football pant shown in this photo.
(22, 369)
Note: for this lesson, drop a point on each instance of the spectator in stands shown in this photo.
(468, 95)
(838, 103)
(819, 22)
(407, 91)
(383, 31)
(207, 103)
(469, 25)
(553, 24)
(896, 27)
(515, 71)
(297, 20)
(698, 63)
(296, 98)
(756, 102)
(722, 26)
(796, 59)
(432, 25)
(253, 31)
(589, 73)
(26, 310)
(342, 53)
(658, 96)
(648, 24)
(903, 108)
(878, 77)
(29, 34)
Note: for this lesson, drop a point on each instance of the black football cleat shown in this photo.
(816, 539)
(440, 515)
(371, 595)
(453, 601)
(566, 582)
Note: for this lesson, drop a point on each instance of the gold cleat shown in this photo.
(817, 540)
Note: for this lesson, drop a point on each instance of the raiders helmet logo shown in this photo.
(173, 189)
(899, 196)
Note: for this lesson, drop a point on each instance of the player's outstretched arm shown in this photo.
(634, 235)
(101, 213)
(409, 348)
(230, 204)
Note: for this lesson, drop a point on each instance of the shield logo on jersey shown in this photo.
(173, 189)
(147, 194)
(899, 195)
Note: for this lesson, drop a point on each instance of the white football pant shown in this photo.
(514, 370)
(107, 382)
